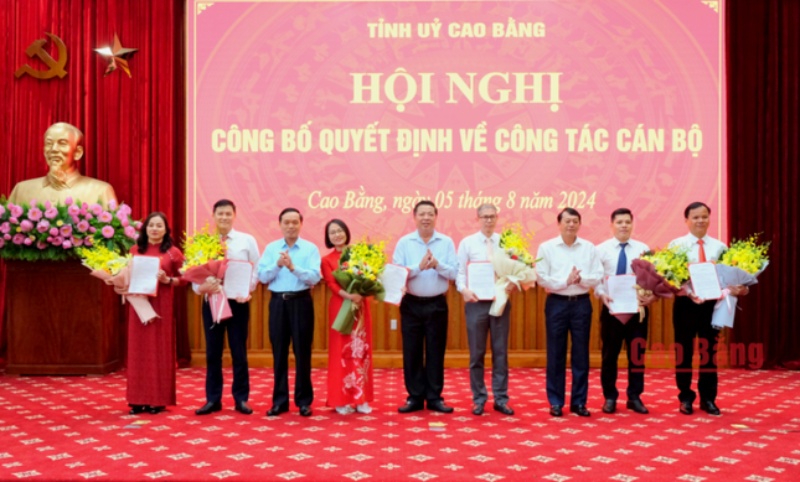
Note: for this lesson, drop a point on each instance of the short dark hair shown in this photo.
(695, 205)
(570, 211)
(621, 212)
(341, 224)
(142, 241)
(289, 210)
(425, 202)
(222, 203)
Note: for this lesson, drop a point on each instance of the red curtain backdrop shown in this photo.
(133, 127)
(763, 40)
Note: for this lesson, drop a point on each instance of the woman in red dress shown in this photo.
(151, 347)
(349, 356)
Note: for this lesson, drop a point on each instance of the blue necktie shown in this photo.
(622, 263)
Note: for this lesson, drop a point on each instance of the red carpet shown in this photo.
(77, 429)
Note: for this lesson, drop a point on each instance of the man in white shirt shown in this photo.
(479, 247)
(569, 266)
(242, 247)
(691, 317)
(616, 255)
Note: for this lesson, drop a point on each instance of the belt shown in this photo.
(423, 298)
(569, 297)
(290, 295)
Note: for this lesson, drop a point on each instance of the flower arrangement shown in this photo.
(747, 254)
(99, 257)
(205, 258)
(201, 248)
(515, 242)
(670, 263)
(47, 231)
(359, 267)
(514, 264)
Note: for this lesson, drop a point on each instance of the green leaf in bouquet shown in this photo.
(345, 318)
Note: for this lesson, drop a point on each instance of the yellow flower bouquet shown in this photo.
(359, 268)
(113, 268)
(747, 254)
(662, 272)
(738, 266)
(205, 257)
(513, 263)
(100, 258)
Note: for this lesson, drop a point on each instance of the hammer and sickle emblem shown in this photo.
(36, 49)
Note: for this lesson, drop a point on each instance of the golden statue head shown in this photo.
(63, 147)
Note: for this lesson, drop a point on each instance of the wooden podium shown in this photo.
(61, 320)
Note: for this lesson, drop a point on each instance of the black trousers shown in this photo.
(291, 319)
(237, 328)
(613, 333)
(424, 329)
(567, 316)
(691, 320)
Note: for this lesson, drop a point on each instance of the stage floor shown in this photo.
(77, 428)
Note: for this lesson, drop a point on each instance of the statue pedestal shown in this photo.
(61, 320)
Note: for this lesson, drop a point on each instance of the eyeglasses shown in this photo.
(488, 217)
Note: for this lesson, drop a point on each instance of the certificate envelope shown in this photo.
(394, 279)
(621, 290)
(144, 275)
(480, 279)
(238, 278)
(705, 283)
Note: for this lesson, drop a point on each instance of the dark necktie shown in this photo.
(622, 262)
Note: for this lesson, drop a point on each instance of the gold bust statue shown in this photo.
(63, 147)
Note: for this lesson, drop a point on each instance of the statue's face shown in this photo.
(61, 149)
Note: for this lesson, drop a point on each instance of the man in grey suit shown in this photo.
(479, 247)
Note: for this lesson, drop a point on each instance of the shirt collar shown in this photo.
(578, 241)
(435, 235)
(68, 182)
(296, 243)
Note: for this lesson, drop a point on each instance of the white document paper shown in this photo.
(394, 279)
(238, 278)
(705, 283)
(144, 275)
(480, 279)
(621, 290)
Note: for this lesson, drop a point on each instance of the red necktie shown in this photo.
(701, 253)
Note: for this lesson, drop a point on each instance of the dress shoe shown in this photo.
(243, 407)
(709, 407)
(156, 410)
(306, 411)
(580, 410)
(610, 406)
(503, 408)
(556, 411)
(686, 408)
(209, 407)
(363, 408)
(477, 409)
(410, 407)
(637, 406)
(439, 406)
(137, 409)
(276, 410)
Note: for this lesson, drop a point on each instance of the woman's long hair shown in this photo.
(166, 243)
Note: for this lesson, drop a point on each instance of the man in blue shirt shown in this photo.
(431, 259)
(291, 268)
